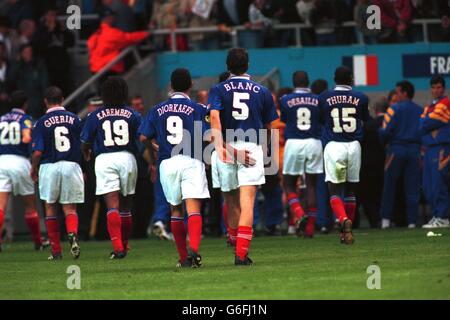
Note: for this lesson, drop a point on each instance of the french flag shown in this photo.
(365, 69)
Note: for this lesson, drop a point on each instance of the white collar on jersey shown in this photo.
(243, 76)
(55, 109)
(342, 87)
(302, 90)
(18, 110)
(179, 95)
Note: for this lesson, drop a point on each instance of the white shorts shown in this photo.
(15, 175)
(116, 171)
(61, 182)
(229, 177)
(342, 161)
(183, 178)
(303, 155)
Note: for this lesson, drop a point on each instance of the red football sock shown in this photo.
(72, 223)
(232, 234)
(195, 231)
(225, 215)
(338, 208)
(311, 224)
(33, 223)
(294, 205)
(53, 234)
(127, 224)
(2, 220)
(350, 207)
(179, 234)
(243, 240)
(114, 229)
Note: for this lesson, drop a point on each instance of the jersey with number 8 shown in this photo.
(57, 136)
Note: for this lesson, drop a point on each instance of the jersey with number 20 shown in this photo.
(112, 129)
(11, 126)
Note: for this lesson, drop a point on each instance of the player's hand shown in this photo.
(87, 155)
(244, 157)
(34, 175)
(153, 173)
(224, 155)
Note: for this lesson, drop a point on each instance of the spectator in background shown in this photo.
(27, 30)
(5, 35)
(360, 16)
(4, 83)
(324, 18)
(284, 12)
(396, 17)
(263, 24)
(125, 19)
(52, 42)
(30, 75)
(18, 10)
(304, 9)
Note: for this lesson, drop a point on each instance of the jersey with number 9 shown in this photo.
(343, 112)
(57, 136)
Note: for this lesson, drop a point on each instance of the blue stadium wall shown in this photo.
(395, 62)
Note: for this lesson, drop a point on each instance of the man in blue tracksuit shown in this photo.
(400, 132)
(435, 127)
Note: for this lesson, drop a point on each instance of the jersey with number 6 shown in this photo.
(57, 136)
(176, 122)
(11, 126)
(244, 104)
(343, 112)
(111, 129)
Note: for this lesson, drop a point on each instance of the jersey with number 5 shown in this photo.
(301, 113)
(57, 136)
(176, 122)
(11, 126)
(343, 113)
(110, 129)
(244, 104)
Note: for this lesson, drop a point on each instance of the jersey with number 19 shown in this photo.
(245, 108)
(343, 113)
(14, 163)
(113, 134)
(57, 136)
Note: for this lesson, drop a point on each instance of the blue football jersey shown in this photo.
(244, 104)
(57, 136)
(177, 122)
(11, 126)
(343, 112)
(111, 129)
(301, 113)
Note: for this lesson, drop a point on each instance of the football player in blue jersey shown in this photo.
(176, 125)
(343, 112)
(55, 163)
(303, 150)
(240, 109)
(111, 133)
(15, 140)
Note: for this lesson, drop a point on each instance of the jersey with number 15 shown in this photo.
(110, 129)
(343, 112)
(57, 136)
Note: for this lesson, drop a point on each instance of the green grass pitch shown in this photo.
(412, 266)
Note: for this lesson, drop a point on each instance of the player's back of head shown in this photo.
(237, 61)
(114, 92)
(181, 80)
(19, 99)
(343, 76)
(53, 96)
(300, 79)
(319, 86)
(406, 87)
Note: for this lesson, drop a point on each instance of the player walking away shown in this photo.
(15, 139)
(400, 131)
(240, 104)
(435, 127)
(303, 151)
(343, 112)
(110, 133)
(55, 163)
(183, 176)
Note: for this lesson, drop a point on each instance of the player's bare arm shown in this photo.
(35, 161)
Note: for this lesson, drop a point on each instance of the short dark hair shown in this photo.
(300, 79)
(343, 76)
(319, 86)
(114, 92)
(181, 80)
(224, 76)
(437, 79)
(19, 99)
(391, 94)
(406, 86)
(237, 61)
(53, 95)
(24, 46)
